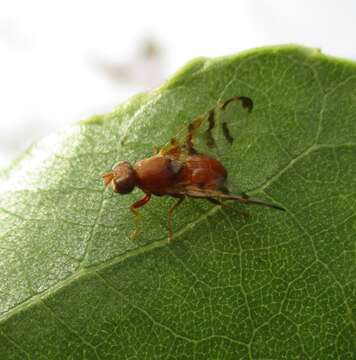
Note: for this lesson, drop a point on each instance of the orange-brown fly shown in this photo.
(180, 171)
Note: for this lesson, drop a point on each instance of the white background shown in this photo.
(62, 61)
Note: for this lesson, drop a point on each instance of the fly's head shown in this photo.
(122, 178)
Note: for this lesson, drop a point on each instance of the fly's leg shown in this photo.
(137, 215)
(170, 216)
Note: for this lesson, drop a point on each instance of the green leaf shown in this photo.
(273, 285)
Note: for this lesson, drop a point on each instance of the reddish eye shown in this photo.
(125, 185)
(122, 178)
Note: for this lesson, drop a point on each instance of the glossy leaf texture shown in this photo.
(268, 286)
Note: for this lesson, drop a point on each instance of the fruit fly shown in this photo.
(179, 170)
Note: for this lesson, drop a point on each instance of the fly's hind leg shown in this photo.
(170, 216)
(134, 209)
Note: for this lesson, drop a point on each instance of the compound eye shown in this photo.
(124, 185)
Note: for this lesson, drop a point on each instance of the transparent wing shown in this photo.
(212, 132)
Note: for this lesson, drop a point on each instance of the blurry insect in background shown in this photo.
(180, 170)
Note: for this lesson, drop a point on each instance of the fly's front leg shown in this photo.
(136, 213)
(170, 216)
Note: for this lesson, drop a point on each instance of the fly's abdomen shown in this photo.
(204, 172)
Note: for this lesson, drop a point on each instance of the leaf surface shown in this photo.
(273, 285)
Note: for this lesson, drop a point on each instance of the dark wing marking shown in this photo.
(200, 132)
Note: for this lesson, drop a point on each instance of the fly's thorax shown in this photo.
(157, 173)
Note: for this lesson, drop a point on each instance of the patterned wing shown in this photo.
(209, 132)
